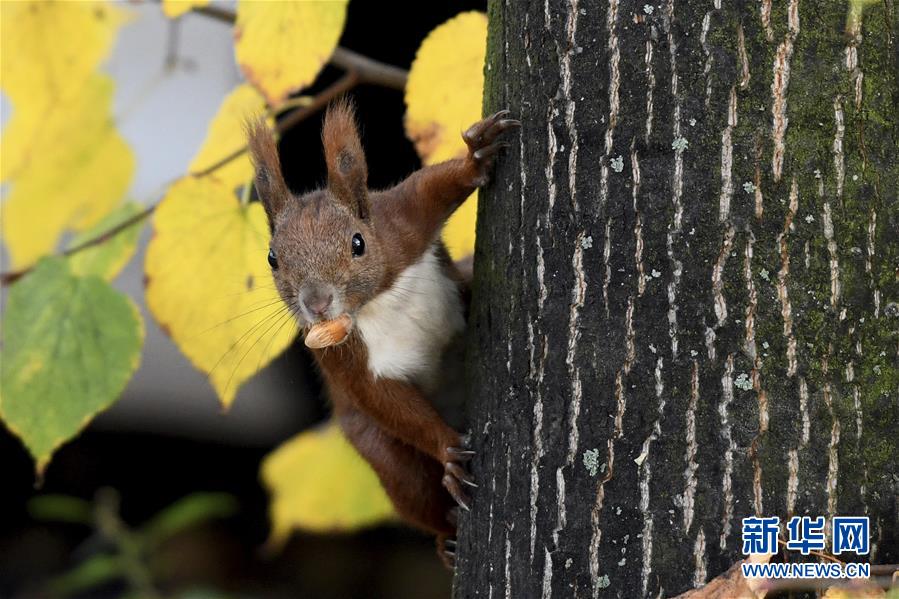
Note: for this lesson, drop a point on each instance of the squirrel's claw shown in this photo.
(483, 146)
(452, 485)
(459, 473)
(489, 151)
(459, 454)
(455, 475)
(484, 132)
(446, 551)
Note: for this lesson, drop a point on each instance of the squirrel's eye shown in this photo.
(358, 245)
(272, 259)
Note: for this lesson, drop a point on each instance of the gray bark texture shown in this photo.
(686, 299)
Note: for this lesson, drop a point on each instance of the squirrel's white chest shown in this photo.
(407, 327)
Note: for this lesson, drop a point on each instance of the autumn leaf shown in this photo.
(175, 8)
(445, 87)
(209, 284)
(70, 344)
(68, 184)
(48, 50)
(281, 46)
(108, 258)
(318, 482)
(66, 172)
(443, 98)
(459, 231)
(227, 135)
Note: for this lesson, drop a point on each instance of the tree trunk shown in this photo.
(686, 300)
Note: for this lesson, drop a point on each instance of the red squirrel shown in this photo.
(376, 257)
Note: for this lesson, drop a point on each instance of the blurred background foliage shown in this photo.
(137, 300)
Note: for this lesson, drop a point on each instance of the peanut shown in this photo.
(329, 332)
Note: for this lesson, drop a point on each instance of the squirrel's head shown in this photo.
(325, 255)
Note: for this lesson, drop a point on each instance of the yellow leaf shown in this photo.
(175, 8)
(443, 98)
(445, 87)
(49, 49)
(281, 46)
(209, 285)
(227, 134)
(459, 231)
(318, 482)
(70, 169)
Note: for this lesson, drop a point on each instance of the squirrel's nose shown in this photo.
(318, 305)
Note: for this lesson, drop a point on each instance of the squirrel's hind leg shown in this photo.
(411, 478)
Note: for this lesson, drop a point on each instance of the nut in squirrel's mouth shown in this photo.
(326, 333)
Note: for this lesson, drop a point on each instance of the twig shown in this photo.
(350, 80)
(8, 278)
(368, 69)
(215, 12)
(341, 86)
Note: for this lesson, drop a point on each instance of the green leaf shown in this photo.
(90, 574)
(70, 344)
(188, 511)
(61, 508)
(107, 259)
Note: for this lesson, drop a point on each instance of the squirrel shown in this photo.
(375, 260)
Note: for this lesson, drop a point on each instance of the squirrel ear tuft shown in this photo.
(270, 183)
(347, 171)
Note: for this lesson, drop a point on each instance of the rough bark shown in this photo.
(686, 299)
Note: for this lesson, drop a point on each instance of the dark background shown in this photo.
(151, 470)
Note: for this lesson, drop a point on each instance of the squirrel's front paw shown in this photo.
(455, 474)
(483, 145)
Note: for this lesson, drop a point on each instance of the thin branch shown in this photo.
(369, 70)
(222, 14)
(339, 87)
(350, 80)
(8, 278)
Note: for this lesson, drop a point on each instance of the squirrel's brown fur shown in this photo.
(347, 171)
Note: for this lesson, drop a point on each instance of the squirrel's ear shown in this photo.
(347, 171)
(270, 183)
